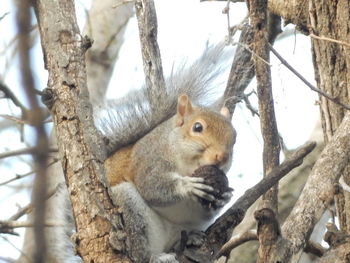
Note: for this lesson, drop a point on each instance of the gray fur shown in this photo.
(130, 118)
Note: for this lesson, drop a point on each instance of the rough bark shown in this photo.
(271, 149)
(317, 193)
(218, 233)
(295, 12)
(106, 26)
(152, 63)
(332, 70)
(79, 143)
(289, 190)
(258, 14)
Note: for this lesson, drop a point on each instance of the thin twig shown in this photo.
(226, 11)
(19, 250)
(330, 40)
(4, 15)
(20, 176)
(9, 94)
(8, 224)
(249, 105)
(28, 208)
(12, 118)
(29, 150)
(312, 87)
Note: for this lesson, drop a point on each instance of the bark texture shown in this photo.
(294, 11)
(289, 190)
(332, 69)
(267, 233)
(105, 26)
(80, 146)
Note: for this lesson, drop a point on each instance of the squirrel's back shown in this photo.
(193, 137)
(127, 119)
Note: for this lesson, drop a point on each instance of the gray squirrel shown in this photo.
(154, 152)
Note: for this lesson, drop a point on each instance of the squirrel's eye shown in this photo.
(197, 127)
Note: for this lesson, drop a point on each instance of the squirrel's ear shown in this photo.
(225, 112)
(184, 107)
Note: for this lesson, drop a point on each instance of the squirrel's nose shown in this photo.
(221, 158)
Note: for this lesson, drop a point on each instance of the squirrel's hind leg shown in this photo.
(148, 234)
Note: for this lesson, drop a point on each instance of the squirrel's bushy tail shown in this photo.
(123, 121)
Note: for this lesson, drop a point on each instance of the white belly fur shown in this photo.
(189, 214)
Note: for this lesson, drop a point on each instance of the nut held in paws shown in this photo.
(216, 178)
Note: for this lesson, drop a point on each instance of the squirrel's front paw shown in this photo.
(216, 178)
(195, 186)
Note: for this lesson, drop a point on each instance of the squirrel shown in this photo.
(150, 167)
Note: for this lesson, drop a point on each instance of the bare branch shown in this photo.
(269, 233)
(5, 225)
(80, 145)
(258, 14)
(236, 241)
(221, 230)
(28, 208)
(9, 94)
(20, 176)
(318, 192)
(30, 150)
(312, 87)
(15, 247)
(41, 141)
(330, 40)
(267, 226)
(152, 64)
(242, 69)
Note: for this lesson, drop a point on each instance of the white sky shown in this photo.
(184, 28)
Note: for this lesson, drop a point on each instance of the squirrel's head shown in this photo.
(204, 137)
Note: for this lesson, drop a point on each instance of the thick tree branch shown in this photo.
(41, 140)
(295, 12)
(219, 233)
(318, 192)
(258, 14)
(80, 145)
(152, 64)
(242, 69)
(271, 149)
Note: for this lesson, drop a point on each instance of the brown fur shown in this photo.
(118, 167)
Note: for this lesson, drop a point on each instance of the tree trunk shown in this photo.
(332, 70)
